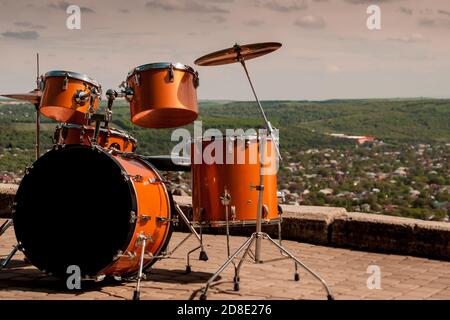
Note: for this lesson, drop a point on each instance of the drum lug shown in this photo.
(163, 219)
(132, 217)
(265, 212)
(28, 170)
(225, 198)
(154, 180)
(171, 74)
(100, 277)
(233, 212)
(65, 82)
(137, 79)
(145, 219)
(196, 80)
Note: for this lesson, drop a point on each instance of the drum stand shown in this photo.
(199, 236)
(165, 255)
(257, 236)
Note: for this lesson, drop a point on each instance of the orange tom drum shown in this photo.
(87, 207)
(233, 177)
(68, 96)
(108, 138)
(162, 95)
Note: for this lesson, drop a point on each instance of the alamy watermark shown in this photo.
(234, 146)
(73, 21)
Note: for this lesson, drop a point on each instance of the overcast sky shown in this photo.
(328, 51)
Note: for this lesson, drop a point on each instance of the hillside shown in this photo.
(302, 124)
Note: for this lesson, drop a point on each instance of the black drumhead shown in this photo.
(73, 208)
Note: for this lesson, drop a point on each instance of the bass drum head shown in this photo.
(73, 208)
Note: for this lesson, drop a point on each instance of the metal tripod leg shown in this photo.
(7, 260)
(245, 245)
(203, 256)
(5, 226)
(237, 269)
(137, 292)
(315, 275)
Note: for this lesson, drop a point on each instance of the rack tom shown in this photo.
(68, 96)
(162, 95)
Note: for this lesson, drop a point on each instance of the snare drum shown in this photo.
(229, 186)
(68, 96)
(108, 138)
(162, 95)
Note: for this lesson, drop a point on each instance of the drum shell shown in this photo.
(107, 138)
(59, 104)
(160, 103)
(209, 181)
(152, 217)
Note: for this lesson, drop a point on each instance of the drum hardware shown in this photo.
(5, 226)
(171, 74)
(132, 217)
(65, 81)
(145, 219)
(239, 54)
(198, 235)
(8, 258)
(143, 239)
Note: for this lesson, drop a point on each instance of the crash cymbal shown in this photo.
(233, 54)
(34, 96)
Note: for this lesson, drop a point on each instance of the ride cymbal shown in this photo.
(236, 53)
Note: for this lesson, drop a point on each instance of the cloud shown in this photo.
(310, 22)
(21, 35)
(29, 25)
(254, 23)
(411, 38)
(434, 23)
(368, 1)
(447, 13)
(406, 11)
(186, 6)
(282, 6)
(332, 68)
(62, 5)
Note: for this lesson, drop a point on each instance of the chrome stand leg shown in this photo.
(188, 264)
(7, 260)
(137, 292)
(245, 245)
(5, 226)
(297, 261)
(296, 274)
(203, 256)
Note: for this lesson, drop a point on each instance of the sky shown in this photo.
(328, 52)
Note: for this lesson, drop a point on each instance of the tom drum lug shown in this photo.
(132, 217)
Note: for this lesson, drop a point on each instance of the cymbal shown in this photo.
(34, 96)
(235, 53)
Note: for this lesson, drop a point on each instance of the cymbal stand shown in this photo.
(257, 236)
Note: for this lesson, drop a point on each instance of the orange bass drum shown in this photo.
(68, 96)
(162, 95)
(82, 206)
(109, 138)
(233, 176)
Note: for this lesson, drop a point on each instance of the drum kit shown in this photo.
(93, 202)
